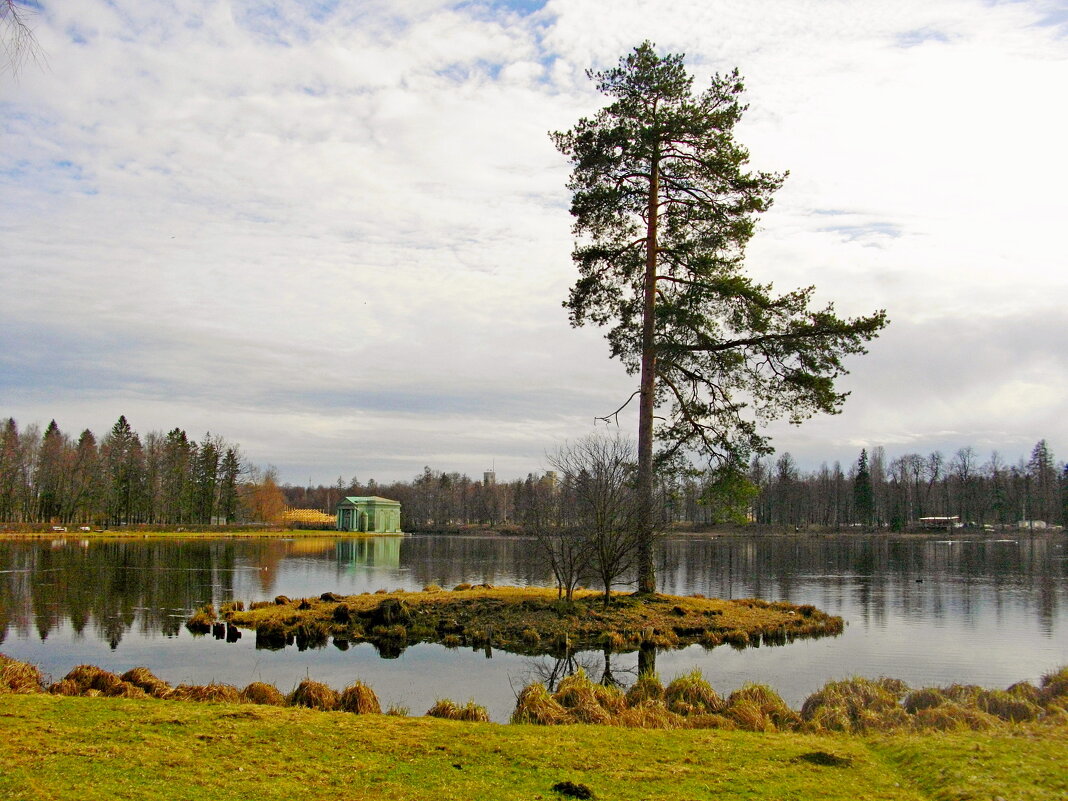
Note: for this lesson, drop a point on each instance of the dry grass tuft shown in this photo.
(1002, 704)
(856, 705)
(1025, 691)
(1055, 686)
(757, 707)
(646, 688)
(711, 722)
(535, 705)
(314, 695)
(691, 695)
(587, 701)
(125, 689)
(470, 712)
(145, 679)
(206, 693)
(90, 677)
(65, 687)
(359, 699)
(463, 585)
(952, 716)
(19, 677)
(431, 588)
(259, 692)
(924, 698)
(650, 714)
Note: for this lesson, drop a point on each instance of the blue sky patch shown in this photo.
(921, 36)
(852, 233)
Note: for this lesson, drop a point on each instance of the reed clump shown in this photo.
(448, 710)
(646, 688)
(757, 707)
(260, 692)
(856, 705)
(1055, 687)
(589, 702)
(359, 699)
(206, 693)
(64, 687)
(145, 679)
(952, 716)
(650, 714)
(535, 705)
(19, 677)
(314, 695)
(690, 695)
(91, 677)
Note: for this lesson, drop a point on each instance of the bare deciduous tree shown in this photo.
(16, 36)
(598, 475)
(546, 512)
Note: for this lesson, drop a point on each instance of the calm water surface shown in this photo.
(927, 611)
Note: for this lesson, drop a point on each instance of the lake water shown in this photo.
(990, 611)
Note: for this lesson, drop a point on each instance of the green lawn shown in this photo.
(54, 747)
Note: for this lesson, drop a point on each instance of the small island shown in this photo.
(524, 620)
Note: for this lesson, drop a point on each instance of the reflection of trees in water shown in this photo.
(551, 670)
(114, 585)
(110, 587)
(883, 577)
(449, 560)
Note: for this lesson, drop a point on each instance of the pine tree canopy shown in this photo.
(664, 206)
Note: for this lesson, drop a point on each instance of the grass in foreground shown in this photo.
(54, 747)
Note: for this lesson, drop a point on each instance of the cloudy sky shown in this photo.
(338, 234)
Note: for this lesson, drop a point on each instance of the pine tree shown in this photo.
(863, 494)
(664, 206)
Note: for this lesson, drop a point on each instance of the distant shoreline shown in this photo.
(38, 532)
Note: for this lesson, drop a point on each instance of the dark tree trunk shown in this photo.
(646, 574)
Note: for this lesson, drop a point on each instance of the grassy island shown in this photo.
(527, 620)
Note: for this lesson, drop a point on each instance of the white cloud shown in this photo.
(338, 234)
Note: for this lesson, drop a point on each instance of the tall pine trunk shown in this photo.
(646, 572)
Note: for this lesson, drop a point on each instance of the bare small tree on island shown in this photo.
(584, 523)
(663, 209)
(598, 478)
(546, 513)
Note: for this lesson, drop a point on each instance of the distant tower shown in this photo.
(551, 479)
(489, 478)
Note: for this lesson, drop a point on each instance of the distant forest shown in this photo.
(165, 479)
(171, 480)
(872, 492)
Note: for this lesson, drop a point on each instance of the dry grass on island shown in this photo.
(527, 620)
